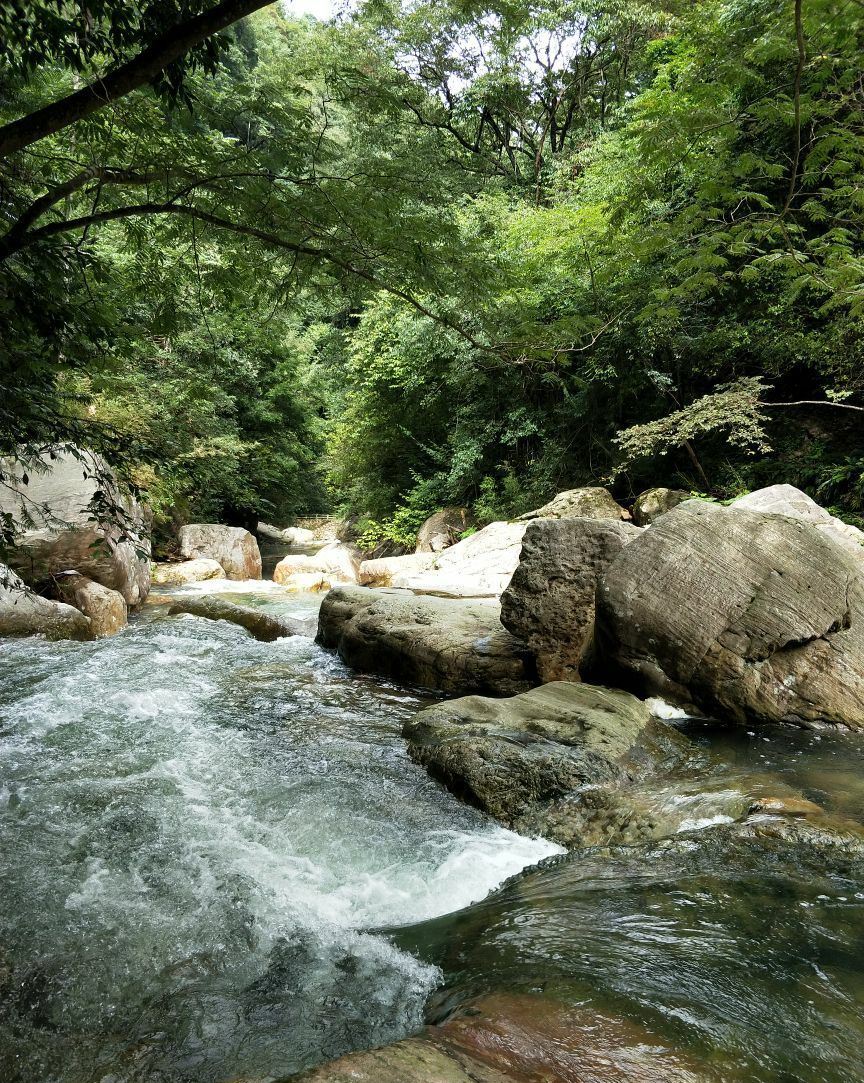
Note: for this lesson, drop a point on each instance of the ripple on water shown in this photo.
(198, 828)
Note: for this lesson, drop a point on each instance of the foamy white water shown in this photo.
(204, 837)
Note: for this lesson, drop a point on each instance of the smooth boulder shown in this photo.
(260, 625)
(25, 613)
(198, 570)
(442, 530)
(550, 599)
(479, 566)
(106, 608)
(451, 644)
(522, 1038)
(73, 516)
(334, 563)
(234, 548)
(751, 616)
(514, 758)
(592, 502)
(651, 504)
(792, 502)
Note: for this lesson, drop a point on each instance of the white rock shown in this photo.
(795, 504)
(187, 571)
(65, 536)
(231, 546)
(480, 566)
(24, 613)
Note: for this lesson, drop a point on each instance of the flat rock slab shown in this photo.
(515, 758)
(261, 625)
(522, 1039)
(451, 644)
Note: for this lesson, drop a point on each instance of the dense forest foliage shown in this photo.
(436, 252)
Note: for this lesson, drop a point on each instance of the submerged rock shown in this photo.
(234, 548)
(650, 505)
(70, 528)
(25, 613)
(106, 608)
(792, 502)
(588, 503)
(550, 600)
(261, 625)
(519, 1038)
(334, 563)
(450, 644)
(752, 616)
(514, 758)
(442, 530)
(187, 571)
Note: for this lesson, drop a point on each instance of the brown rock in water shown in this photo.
(588, 503)
(451, 644)
(514, 1038)
(515, 758)
(752, 616)
(550, 600)
(105, 607)
(231, 546)
(650, 505)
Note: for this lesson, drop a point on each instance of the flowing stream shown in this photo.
(218, 862)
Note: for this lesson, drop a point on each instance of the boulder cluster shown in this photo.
(560, 630)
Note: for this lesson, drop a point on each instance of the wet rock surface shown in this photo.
(541, 761)
(261, 625)
(550, 599)
(750, 615)
(450, 644)
(521, 1039)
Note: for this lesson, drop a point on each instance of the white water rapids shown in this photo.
(201, 835)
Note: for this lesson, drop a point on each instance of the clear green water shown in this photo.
(218, 862)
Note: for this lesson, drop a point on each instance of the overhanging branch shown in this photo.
(119, 82)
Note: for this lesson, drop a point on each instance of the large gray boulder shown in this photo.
(751, 616)
(792, 502)
(450, 644)
(650, 505)
(592, 503)
(231, 546)
(442, 530)
(515, 758)
(106, 608)
(550, 600)
(65, 524)
(25, 613)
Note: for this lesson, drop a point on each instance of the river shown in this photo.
(218, 862)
